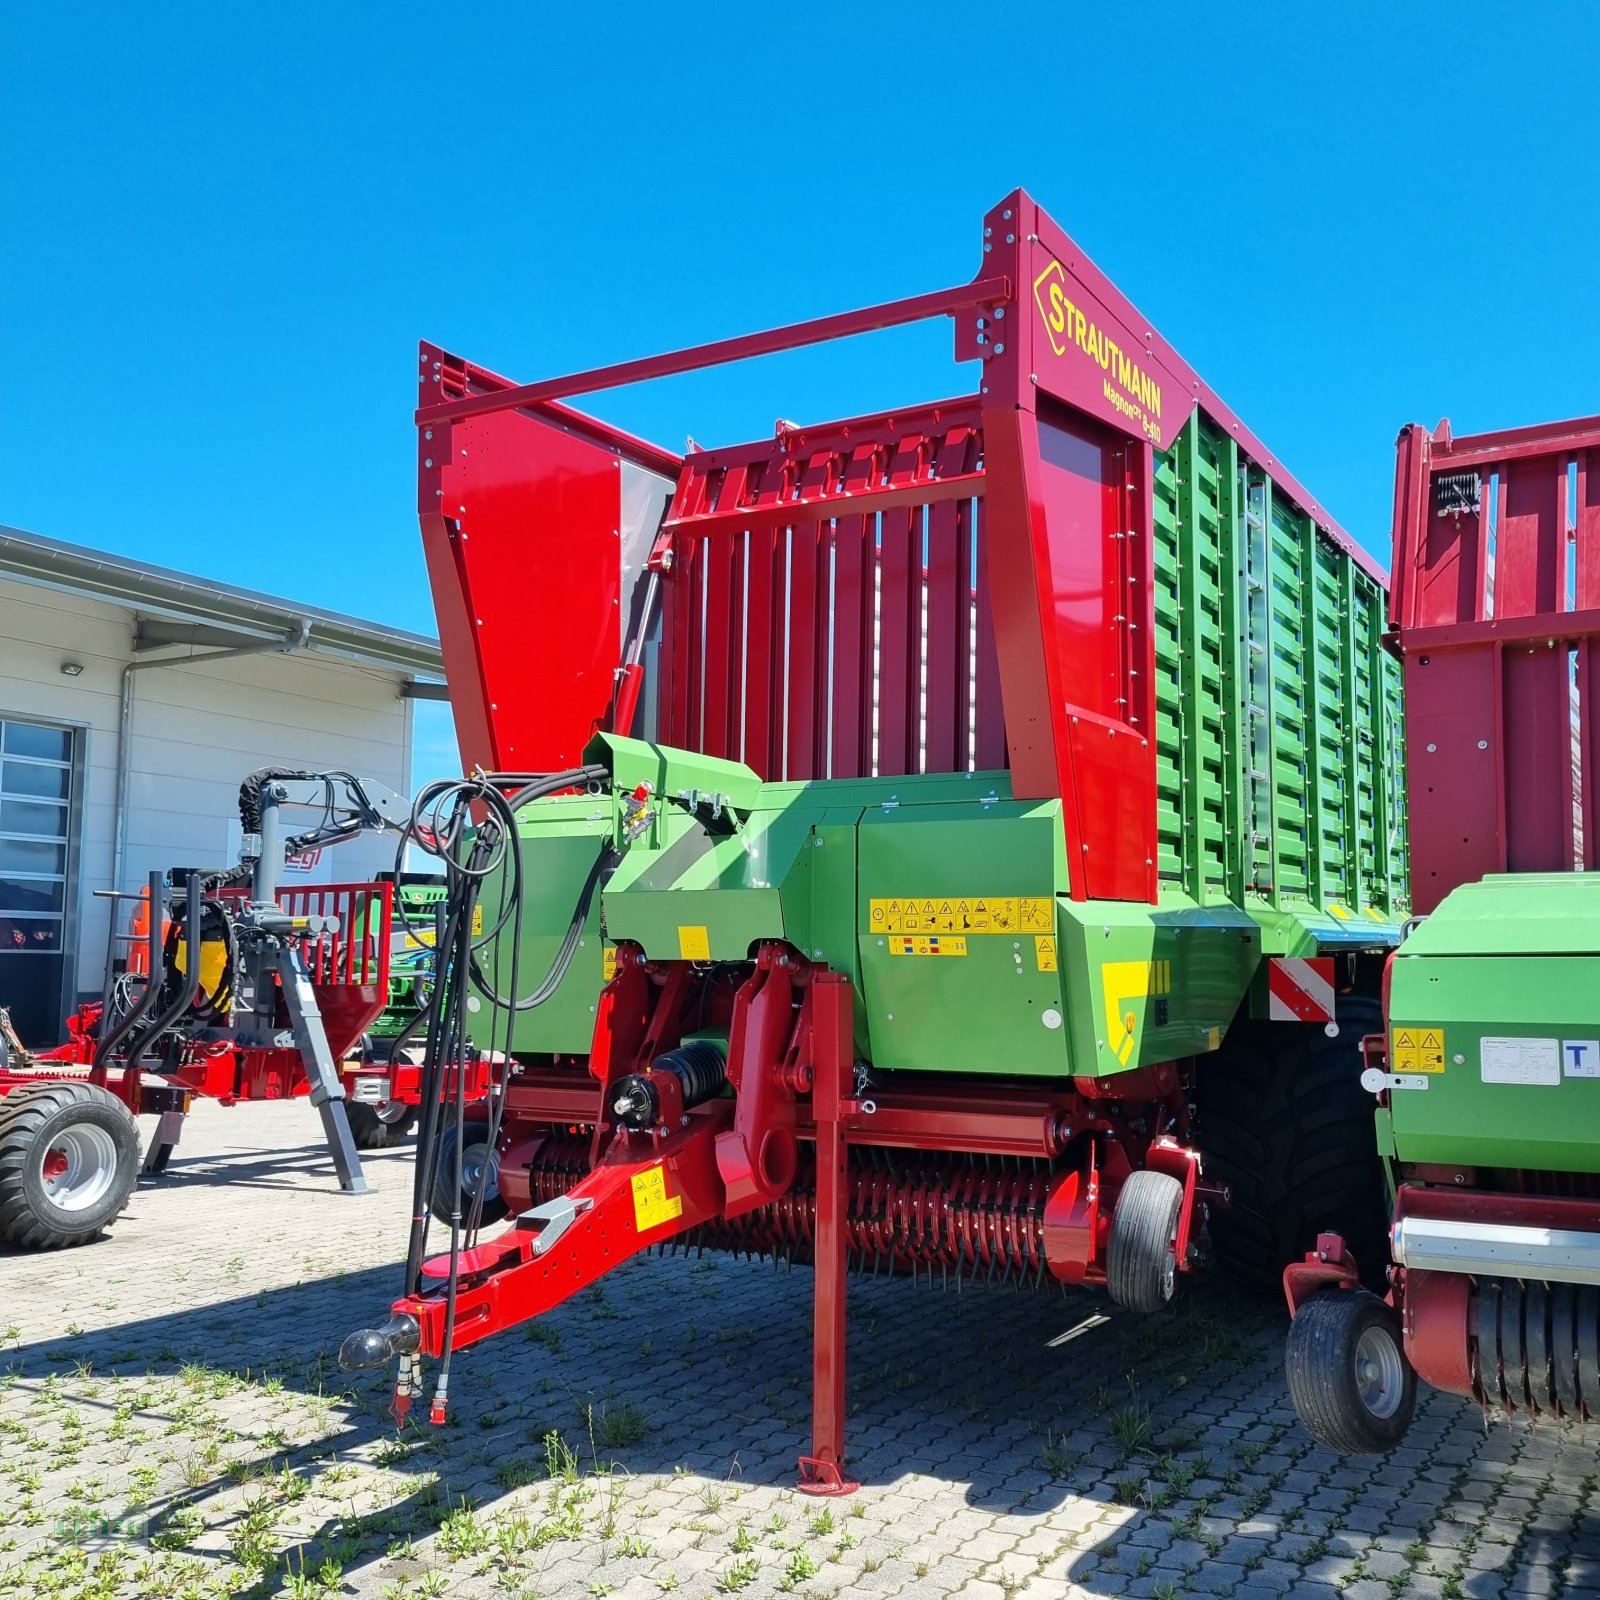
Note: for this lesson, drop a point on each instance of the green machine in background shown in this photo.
(1488, 1079)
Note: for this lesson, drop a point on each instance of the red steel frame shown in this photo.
(1075, 392)
(1003, 540)
(350, 978)
(1492, 663)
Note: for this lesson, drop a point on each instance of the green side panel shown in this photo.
(1278, 770)
(560, 840)
(1152, 983)
(1496, 999)
(974, 992)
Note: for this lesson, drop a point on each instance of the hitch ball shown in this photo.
(375, 1347)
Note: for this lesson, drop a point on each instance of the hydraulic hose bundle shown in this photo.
(470, 825)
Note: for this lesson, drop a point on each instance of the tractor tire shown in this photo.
(1141, 1268)
(1286, 1125)
(1349, 1379)
(447, 1184)
(379, 1127)
(69, 1158)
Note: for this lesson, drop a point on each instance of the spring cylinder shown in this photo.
(699, 1066)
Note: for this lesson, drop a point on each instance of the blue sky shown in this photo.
(223, 230)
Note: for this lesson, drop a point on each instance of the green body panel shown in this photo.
(1203, 959)
(1514, 961)
(560, 840)
(941, 898)
(1278, 771)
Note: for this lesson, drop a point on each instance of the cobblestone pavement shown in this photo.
(172, 1424)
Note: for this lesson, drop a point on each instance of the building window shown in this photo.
(36, 807)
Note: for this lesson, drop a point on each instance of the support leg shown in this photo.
(327, 1091)
(822, 1472)
(162, 1141)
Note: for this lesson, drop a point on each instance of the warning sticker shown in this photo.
(608, 962)
(948, 945)
(477, 921)
(1417, 1050)
(970, 914)
(1523, 1061)
(1044, 951)
(652, 1205)
(694, 944)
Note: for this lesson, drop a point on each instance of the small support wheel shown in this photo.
(69, 1158)
(1142, 1261)
(1349, 1379)
(448, 1184)
(379, 1127)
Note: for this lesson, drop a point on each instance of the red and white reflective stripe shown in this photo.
(1300, 988)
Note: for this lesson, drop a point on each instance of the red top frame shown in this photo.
(1051, 481)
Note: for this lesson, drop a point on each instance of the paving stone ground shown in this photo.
(172, 1423)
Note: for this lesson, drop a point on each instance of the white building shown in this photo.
(133, 700)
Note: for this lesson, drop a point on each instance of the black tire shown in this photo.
(69, 1158)
(1286, 1125)
(379, 1127)
(1349, 1379)
(446, 1184)
(1141, 1268)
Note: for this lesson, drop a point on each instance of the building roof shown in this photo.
(179, 608)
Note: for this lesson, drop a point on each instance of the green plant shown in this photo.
(739, 1575)
(462, 1535)
(618, 1426)
(1128, 1490)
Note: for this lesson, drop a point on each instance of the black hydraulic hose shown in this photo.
(190, 986)
(155, 971)
(604, 865)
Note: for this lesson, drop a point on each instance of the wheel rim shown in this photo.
(391, 1112)
(473, 1160)
(79, 1168)
(1380, 1377)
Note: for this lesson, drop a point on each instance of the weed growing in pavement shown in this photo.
(616, 1426)
(739, 1575)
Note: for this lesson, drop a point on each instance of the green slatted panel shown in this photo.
(1288, 700)
(1276, 705)
(1234, 686)
(1169, 827)
(1333, 720)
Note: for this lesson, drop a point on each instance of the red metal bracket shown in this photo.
(1329, 1266)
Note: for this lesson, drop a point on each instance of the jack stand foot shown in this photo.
(336, 1129)
(824, 1478)
(162, 1142)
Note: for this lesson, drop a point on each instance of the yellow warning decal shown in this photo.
(1417, 1050)
(608, 962)
(1338, 911)
(950, 944)
(1123, 982)
(694, 944)
(652, 1205)
(1044, 952)
(477, 921)
(970, 914)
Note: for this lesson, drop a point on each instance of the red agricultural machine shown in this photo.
(236, 989)
(1487, 1072)
(962, 840)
